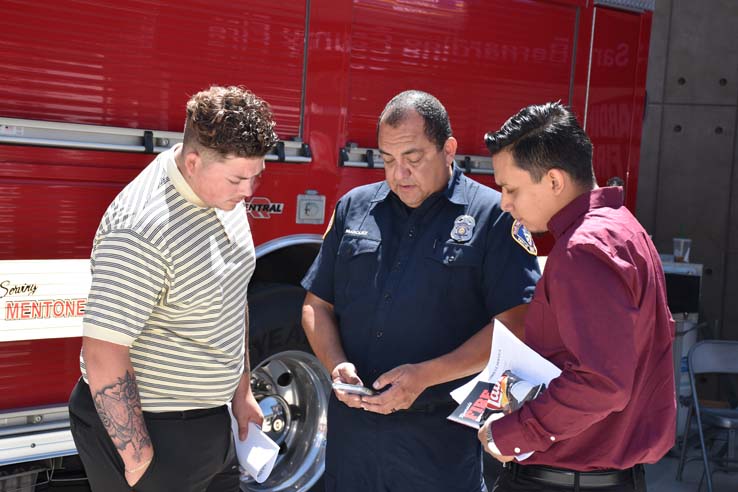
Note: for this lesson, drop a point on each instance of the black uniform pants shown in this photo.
(194, 450)
(516, 480)
(407, 451)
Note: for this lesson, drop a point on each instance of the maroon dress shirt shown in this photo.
(599, 313)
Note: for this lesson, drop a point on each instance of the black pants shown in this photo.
(406, 451)
(194, 454)
(509, 481)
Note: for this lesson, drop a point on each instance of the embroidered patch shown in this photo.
(523, 237)
(463, 228)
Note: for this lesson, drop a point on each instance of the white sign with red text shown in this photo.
(42, 298)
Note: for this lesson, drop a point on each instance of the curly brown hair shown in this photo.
(231, 121)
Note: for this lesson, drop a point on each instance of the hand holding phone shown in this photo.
(355, 389)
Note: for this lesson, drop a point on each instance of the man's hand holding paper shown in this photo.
(510, 362)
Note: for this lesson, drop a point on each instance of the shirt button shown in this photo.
(517, 450)
(553, 438)
(388, 297)
(379, 334)
(411, 233)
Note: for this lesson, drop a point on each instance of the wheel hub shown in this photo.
(292, 389)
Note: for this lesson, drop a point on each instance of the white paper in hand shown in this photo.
(257, 454)
(510, 353)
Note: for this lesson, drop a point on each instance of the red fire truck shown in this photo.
(90, 90)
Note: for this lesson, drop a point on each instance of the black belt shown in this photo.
(186, 414)
(569, 478)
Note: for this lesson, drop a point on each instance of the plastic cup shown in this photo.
(682, 246)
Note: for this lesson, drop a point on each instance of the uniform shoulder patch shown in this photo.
(523, 237)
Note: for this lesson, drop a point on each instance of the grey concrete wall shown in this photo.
(688, 184)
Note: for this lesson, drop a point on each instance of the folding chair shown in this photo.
(719, 424)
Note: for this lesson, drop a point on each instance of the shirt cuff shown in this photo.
(106, 335)
(514, 437)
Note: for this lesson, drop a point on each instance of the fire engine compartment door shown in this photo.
(135, 64)
(614, 115)
(483, 60)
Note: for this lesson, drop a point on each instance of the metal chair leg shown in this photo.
(685, 443)
(707, 474)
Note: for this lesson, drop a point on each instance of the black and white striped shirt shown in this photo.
(169, 280)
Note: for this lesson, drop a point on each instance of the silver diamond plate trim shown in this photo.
(637, 5)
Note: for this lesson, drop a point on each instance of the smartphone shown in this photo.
(355, 389)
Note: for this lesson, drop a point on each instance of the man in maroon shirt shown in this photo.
(599, 313)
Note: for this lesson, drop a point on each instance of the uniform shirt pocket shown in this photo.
(460, 264)
(357, 268)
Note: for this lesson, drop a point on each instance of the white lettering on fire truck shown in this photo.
(260, 207)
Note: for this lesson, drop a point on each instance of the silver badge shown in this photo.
(463, 228)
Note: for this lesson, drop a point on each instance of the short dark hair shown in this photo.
(230, 121)
(546, 136)
(437, 125)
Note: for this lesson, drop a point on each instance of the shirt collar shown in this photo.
(455, 189)
(179, 182)
(601, 197)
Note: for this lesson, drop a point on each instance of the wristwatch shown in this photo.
(491, 442)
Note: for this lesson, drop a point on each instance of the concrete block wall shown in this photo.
(688, 182)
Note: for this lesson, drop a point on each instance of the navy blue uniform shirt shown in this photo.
(403, 290)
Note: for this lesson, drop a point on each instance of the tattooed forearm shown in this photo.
(119, 407)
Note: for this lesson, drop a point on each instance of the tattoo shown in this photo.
(119, 408)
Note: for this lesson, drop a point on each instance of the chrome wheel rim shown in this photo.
(292, 389)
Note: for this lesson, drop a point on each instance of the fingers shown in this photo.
(352, 400)
(401, 389)
(369, 403)
(399, 394)
(389, 401)
(345, 372)
(389, 378)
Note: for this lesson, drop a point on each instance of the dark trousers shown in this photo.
(193, 450)
(406, 451)
(515, 481)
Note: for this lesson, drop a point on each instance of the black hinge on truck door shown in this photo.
(148, 141)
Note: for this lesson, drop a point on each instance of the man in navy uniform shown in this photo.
(599, 313)
(401, 297)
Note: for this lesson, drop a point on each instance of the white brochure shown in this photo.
(257, 454)
(509, 353)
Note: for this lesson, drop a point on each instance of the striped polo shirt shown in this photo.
(169, 280)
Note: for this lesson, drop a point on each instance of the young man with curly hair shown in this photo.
(165, 328)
